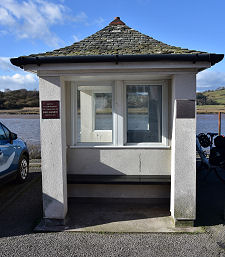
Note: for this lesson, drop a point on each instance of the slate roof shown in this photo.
(117, 39)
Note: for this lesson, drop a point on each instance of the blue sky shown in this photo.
(34, 26)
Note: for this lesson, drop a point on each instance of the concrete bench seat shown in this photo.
(119, 179)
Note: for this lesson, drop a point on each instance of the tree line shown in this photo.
(18, 99)
(204, 100)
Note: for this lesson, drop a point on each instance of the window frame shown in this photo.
(119, 114)
(74, 89)
(164, 85)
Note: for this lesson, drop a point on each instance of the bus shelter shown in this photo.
(118, 120)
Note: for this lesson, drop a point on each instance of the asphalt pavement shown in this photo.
(24, 211)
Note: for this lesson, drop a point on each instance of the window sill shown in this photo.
(119, 147)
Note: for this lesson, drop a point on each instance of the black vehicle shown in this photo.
(216, 157)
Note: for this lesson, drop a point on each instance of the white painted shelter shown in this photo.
(118, 120)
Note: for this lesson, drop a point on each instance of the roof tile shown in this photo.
(118, 38)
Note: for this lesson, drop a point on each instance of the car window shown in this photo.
(2, 133)
(7, 132)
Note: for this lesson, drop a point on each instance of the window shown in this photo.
(103, 111)
(94, 114)
(2, 133)
(119, 113)
(7, 132)
(144, 113)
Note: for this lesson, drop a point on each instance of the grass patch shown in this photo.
(25, 110)
(34, 151)
(216, 95)
(210, 108)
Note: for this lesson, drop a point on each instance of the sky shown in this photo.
(35, 26)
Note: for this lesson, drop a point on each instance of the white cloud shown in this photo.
(18, 81)
(210, 80)
(99, 21)
(5, 17)
(80, 17)
(54, 13)
(31, 19)
(76, 38)
(13, 77)
(6, 66)
(34, 18)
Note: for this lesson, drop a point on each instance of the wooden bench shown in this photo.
(119, 179)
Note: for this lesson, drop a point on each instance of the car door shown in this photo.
(7, 153)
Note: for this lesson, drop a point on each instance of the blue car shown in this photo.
(14, 156)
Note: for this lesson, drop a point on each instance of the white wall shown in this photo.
(119, 161)
(53, 151)
(183, 154)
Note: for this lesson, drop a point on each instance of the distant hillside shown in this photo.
(211, 97)
(22, 98)
(18, 99)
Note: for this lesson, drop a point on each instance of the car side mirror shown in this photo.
(13, 136)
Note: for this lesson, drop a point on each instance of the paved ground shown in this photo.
(19, 217)
(122, 215)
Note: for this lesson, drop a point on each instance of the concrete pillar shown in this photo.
(183, 150)
(53, 153)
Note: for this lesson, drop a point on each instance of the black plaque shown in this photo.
(185, 109)
(50, 109)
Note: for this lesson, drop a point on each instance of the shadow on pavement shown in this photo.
(21, 215)
(210, 199)
(92, 211)
(20, 206)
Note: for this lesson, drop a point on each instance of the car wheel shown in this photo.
(23, 169)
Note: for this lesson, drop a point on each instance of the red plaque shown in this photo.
(50, 109)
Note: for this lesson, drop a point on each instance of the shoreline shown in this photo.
(37, 116)
(19, 116)
(33, 112)
(210, 112)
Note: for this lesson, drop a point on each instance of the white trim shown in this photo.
(64, 68)
(110, 146)
(95, 83)
(119, 112)
(165, 113)
(73, 98)
(125, 113)
(91, 144)
(144, 82)
(95, 87)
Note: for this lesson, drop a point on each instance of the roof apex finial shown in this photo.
(117, 21)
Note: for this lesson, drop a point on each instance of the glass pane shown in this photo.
(103, 111)
(2, 133)
(7, 133)
(144, 114)
(94, 114)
